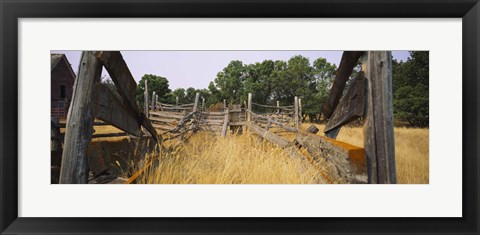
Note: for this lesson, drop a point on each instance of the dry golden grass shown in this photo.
(411, 151)
(243, 159)
(207, 158)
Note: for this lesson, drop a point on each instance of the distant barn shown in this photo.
(62, 79)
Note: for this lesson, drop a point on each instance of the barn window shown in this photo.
(63, 92)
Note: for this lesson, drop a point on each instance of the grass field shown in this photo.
(244, 159)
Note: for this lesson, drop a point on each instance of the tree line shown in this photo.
(275, 80)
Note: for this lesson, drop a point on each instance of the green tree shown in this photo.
(324, 75)
(181, 94)
(155, 83)
(410, 89)
(230, 81)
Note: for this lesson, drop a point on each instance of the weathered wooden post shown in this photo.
(296, 111)
(145, 98)
(278, 106)
(80, 122)
(300, 111)
(156, 101)
(225, 123)
(153, 101)
(378, 130)
(224, 104)
(249, 115)
(195, 106)
(176, 101)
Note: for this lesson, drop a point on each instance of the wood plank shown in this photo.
(290, 148)
(80, 122)
(344, 162)
(378, 130)
(165, 120)
(195, 106)
(214, 114)
(225, 123)
(166, 114)
(296, 112)
(126, 85)
(108, 108)
(347, 63)
(145, 98)
(351, 106)
(163, 127)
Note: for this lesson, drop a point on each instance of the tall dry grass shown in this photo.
(207, 158)
(411, 151)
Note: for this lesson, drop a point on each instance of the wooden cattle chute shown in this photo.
(369, 95)
(93, 100)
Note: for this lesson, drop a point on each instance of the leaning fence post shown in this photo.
(145, 98)
(296, 111)
(278, 106)
(80, 122)
(153, 102)
(300, 117)
(195, 106)
(378, 130)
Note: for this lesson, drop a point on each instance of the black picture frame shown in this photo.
(11, 11)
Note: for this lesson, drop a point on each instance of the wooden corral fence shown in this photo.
(179, 120)
(369, 96)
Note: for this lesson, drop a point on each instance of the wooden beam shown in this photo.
(225, 124)
(145, 98)
(378, 130)
(153, 102)
(300, 110)
(195, 106)
(296, 111)
(291, 149)
(351, 106)
(79, 132)
(249, 115)
(108, 108)
(176, 101)
(126, 86)
(347, 63)
(344, 162)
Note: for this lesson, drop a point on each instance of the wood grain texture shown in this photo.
(225, 123)
(108, 108)
(345, 162)
(80, 122)
(126, 85)
(351, 106)
(347, 63)
(378, 130)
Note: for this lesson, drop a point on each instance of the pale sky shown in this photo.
(198, 68)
